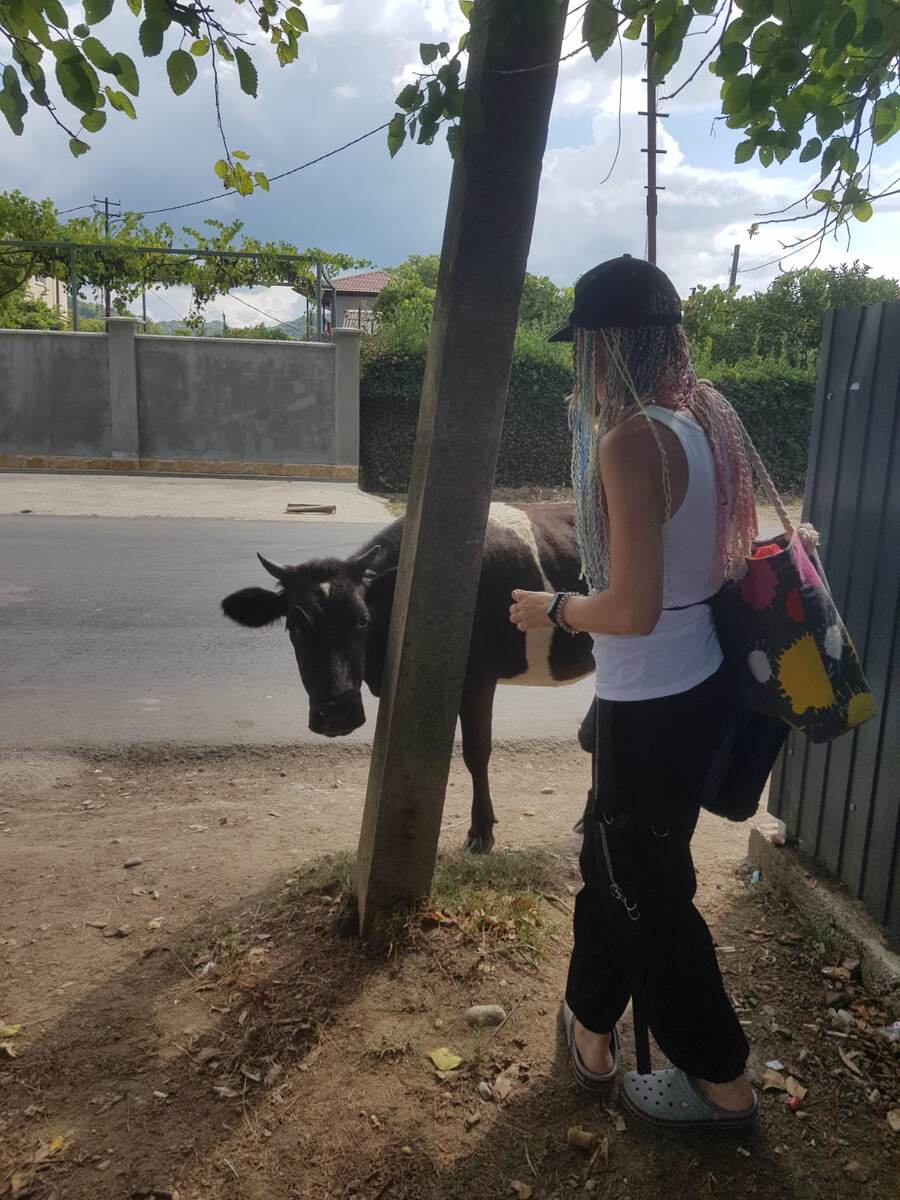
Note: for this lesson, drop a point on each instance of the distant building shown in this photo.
(353, 300)
(53, 293)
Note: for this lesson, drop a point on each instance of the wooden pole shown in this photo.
(652, 201)
(735, 259)
(487, 235)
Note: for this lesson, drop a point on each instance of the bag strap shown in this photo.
(765, 480)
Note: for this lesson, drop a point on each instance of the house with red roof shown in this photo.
(352, 301)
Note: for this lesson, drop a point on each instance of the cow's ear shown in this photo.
(254, 606)
(380, 589)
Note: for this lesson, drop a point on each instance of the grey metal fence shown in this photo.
(842, 802)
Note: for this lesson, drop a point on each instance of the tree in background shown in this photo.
(784, 322)
(404, 307)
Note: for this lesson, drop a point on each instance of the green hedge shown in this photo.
(774, 400)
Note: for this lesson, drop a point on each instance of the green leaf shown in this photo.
(862, 211)
(261, 180)
(75, 83)
(246, 71)
(96, 11)
(135, 6)
(222, 168)
(94, 122)
(766, 155)
(56, 14)
(811, 150)
(98, 54)
(465, 7)
(121, 102)
(798, 16)
(78, 147)
(396, 133)
(634, 29)
(159, 12)
(703, 8)
(885, 119)
(428, 52)
(443, 49)
(409, 99)
(872, 34)
(295, 16)
(736, 94)
(200, 47)
(744, 152)
(599, 27)
(823, 195)
(81, 31)
(151, 36)
(224, 49)
(731, 60)
(242, 154)
(182, 71)
(669, 42)
(453, 141)
(843, 32)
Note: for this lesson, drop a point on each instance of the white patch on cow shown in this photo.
(537, 641)
(325, 588)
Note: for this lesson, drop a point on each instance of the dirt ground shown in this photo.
(199, 1023)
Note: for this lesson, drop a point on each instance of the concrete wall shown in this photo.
(180, 403)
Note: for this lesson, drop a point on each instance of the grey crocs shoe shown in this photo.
(590, 1080)
(669, 1098)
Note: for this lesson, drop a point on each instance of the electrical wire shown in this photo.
(147, 212)
(278, 320)
(612, 166)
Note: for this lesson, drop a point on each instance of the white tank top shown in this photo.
(683, 649)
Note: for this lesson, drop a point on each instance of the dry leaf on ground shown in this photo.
(444, 1059)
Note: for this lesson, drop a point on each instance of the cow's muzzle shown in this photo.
(338, 717)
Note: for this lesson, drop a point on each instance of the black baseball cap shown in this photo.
(622, 293)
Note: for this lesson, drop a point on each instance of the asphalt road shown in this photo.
(111, 635)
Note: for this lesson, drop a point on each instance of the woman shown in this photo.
(663, 504)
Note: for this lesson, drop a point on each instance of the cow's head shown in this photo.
(324, 607)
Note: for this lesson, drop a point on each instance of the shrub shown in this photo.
(774, 400)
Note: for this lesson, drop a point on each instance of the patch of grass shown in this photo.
(387, 1051)
(496, 900)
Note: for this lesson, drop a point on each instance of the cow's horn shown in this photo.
(362, 563)
(274, 568)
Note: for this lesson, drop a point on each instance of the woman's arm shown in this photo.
(631, 471)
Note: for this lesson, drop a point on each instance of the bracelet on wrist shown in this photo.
(556, 612)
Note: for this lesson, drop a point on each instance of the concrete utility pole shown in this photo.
(651, 149)
(490, 215)
(735, 259)
(106, 202)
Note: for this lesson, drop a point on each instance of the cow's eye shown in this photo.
(363, 621)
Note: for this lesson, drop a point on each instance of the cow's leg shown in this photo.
(476, 714)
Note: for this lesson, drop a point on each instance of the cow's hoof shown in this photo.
(479, 843)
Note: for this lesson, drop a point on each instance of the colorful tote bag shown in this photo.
(783, 635)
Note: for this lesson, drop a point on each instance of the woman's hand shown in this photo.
(529, 610)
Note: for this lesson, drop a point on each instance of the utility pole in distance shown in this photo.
(651, 149)
(487, 234)
(735, 259)
(106, 202)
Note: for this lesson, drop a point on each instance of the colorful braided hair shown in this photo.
(648, 365)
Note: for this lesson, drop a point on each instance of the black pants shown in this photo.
(636, 928)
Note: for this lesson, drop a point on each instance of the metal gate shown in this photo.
(842, 802)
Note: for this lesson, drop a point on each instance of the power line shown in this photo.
(278, 321)
(78, 208)
(148, 212)
(612, 166)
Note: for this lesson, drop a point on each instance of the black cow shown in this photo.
(338, 613)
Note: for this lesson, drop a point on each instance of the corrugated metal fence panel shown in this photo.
(842, 802)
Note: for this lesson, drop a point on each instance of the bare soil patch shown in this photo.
(236, 1043)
